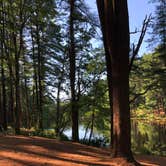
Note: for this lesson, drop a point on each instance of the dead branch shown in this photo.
(136, 48)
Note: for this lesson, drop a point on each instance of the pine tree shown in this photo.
(159, 28)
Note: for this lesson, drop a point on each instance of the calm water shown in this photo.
(146, 138)
(82, 133)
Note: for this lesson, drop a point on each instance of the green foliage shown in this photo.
(96, 102)
(147, 82)
(158, 28)
(148, 138)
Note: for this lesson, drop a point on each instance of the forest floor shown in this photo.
(37, 151)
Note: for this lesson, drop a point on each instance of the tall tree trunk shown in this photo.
(58, 121)
(35, 86)
(8, 52)
(72, 58)
(58, 109)
(18, 48)
(2, 70)
(1, 113)
(114, 21)
(11, 98)
(17, 88)
(108, 64)
(27, 109)
(40, 78)
(3, 95)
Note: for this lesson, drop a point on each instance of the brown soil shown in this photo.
(36, 151)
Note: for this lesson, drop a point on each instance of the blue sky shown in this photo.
(138, 9)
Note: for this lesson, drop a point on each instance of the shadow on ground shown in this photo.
(37, 151)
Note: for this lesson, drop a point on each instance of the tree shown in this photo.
(72, 59)
(115, 27)
(148, 83)
(3, 77)
(159, 28)
(81, 30)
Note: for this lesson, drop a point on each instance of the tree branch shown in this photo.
(136, 48)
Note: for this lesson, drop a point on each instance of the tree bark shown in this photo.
(35, 85)
(2, 71)
(72, 59)
(17, 88)
(115, 24)
(40, 83)
(3, 94)
(57, 130)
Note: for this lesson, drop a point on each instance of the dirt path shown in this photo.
(36, 151)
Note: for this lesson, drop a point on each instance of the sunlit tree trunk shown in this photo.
(115, 24)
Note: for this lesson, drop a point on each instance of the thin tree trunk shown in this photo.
(72, 57)
(40, 80)
(86, 131)
(58, 109)
(92, 126)
(27, 105)
(35, 86)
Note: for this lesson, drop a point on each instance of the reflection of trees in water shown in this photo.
(148, 138)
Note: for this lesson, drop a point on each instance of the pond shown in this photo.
(146, 138)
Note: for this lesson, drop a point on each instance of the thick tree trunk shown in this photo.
(108, 64)
(72, 57)
(115, 24)
(18, 51)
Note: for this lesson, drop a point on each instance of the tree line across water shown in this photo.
(54, 76)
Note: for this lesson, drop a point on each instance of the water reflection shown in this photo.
(148, 138)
